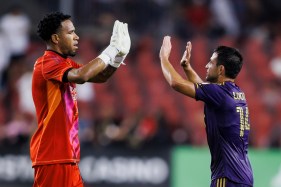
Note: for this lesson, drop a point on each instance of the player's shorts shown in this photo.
(54, 175)
(224, 182)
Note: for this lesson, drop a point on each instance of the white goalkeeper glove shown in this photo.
(119, 46)
(111, 51)
(125, 43)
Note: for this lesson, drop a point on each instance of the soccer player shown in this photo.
(226, 112)
(54, 147)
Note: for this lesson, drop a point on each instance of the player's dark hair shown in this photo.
(50, 24)
(231, 59)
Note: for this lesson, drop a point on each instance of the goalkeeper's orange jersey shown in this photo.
(56, 138)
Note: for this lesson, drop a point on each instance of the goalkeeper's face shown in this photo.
(68, 39)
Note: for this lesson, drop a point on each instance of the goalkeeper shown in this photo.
(54, 147)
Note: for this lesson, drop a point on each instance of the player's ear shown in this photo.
(221, 70)
(55, 38)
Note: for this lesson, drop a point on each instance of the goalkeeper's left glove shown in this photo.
(113, 49)
(119, 47)
(125, 43)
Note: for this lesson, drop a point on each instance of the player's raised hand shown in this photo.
(125, 39)
(125, 43)
(115, 40)
(165, 48)
(119, 46)
(120, 38)
(185, 60)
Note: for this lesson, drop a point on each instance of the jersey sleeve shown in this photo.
(54, 69)
(209, 93)
(74, 64)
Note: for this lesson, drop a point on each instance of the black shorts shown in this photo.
(225, 182)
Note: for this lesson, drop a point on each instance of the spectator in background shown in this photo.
(191, 18)
(16, 26)
(224, 16)
(275, 135)
(5, 55)
(107, 126)
(19, 120)
(85, 98)
(275, 62)
(25, 102)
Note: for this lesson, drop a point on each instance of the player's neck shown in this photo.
(55, 48)
(225, 79)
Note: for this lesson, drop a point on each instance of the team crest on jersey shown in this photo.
(73, 92)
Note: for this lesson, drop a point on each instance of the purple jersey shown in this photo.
(227, 126)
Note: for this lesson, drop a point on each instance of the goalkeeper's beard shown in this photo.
(71, 53)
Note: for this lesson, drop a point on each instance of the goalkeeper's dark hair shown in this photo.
(231, 59)
(50, 24)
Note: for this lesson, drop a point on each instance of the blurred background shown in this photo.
(135, 130)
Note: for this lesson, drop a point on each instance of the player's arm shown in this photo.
(185, 64)
(95, 71)
(101, 68)
(171, 75)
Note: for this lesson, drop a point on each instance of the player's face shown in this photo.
(68, 39)
(212, 69)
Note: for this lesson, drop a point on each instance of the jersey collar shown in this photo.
(63, 56)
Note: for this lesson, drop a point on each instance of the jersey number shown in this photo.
(244, 119)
